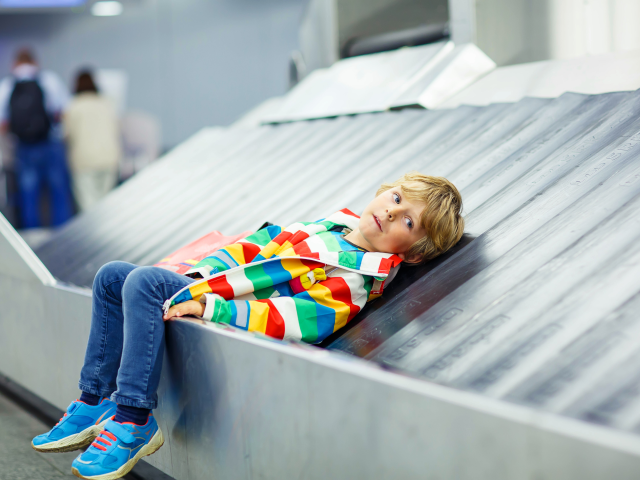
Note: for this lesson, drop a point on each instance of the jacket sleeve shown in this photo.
(239, 253)
(309, 316)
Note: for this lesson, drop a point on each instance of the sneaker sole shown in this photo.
(72, 442)
(150, 448)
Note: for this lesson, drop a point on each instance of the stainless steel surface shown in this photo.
(238, 407)
(514, 164)
(17, 259)
(424, 76)
(460, 68)
(368, 83)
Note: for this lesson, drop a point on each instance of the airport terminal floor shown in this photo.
(22, 417)
(18, 461)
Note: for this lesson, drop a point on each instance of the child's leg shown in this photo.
(104, 349)
(85, 419)
(133, 433)
(144, 293)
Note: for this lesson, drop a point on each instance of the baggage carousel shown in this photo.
(536, 305)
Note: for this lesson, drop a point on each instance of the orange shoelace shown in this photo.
(77, 400)
(60, 420)
(100, 438)
(63, 416)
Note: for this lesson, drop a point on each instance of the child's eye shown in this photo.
(409, 222)
(396, 198)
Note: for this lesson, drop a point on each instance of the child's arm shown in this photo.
(239, 253)
(309, 316)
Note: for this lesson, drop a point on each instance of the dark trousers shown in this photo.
(37, 165)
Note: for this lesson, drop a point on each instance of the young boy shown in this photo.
(301, 283)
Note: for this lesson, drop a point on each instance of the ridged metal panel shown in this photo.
(536, 304)
(362, 84)
(424, 76)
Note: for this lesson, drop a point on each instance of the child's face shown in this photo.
(391, 223)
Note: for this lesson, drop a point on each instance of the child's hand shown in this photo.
(190, 307)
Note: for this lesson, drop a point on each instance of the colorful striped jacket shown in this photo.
(301, 283)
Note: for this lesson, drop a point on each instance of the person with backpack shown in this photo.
(31, 104)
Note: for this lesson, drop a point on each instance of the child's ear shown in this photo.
(412, 259)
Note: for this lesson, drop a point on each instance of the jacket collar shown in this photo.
(377, 264)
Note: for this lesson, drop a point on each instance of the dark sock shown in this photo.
(139, 416)
(89, 399)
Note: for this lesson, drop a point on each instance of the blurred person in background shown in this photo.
(31, 104)
(92, 131)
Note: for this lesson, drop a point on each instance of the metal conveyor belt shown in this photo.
(536, 305)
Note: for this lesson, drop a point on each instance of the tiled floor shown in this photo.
(18, 461)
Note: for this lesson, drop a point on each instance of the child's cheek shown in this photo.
(389, 244)
(399, 242)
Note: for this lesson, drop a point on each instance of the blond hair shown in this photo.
(441, 217)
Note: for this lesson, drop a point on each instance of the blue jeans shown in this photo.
(36, 164)
(126, 341)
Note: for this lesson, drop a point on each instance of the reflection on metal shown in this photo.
(422, 76)
(238, 407)
(511, 347)
(369, 83)
(17, 259)
(539, 308)
(615, 72)
(421, 35)
(459, 69)
(43, 337)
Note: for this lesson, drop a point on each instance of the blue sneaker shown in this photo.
(77, 428)
(117, 449)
